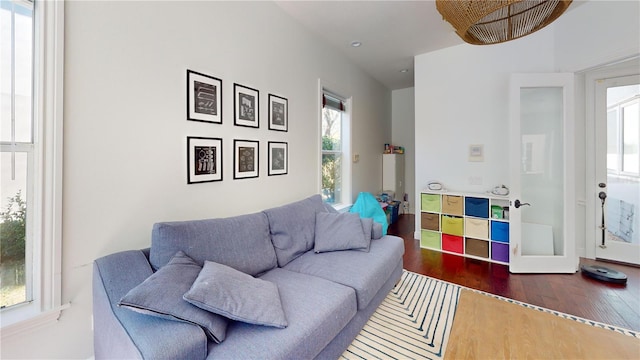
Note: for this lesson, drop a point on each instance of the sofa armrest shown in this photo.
(122, 333)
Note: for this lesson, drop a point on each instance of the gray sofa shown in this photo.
(326, 294)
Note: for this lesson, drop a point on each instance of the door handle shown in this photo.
(517, 204)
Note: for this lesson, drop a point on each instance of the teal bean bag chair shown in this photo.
(368, 207)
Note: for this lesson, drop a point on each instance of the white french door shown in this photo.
(617, 158)
(542, 197)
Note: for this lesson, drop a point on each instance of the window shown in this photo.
(335, 139)
(30, 159)
(623, 130)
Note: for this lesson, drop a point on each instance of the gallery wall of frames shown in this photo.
(205, 156)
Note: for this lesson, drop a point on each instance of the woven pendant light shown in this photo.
(483, 22)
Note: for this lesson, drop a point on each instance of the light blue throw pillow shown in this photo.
(161, 295)
(341, 232)
(226, 291)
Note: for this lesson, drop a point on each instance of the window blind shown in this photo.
(332, 101)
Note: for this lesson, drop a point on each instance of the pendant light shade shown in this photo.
(483, 22)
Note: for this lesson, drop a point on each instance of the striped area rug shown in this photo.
(413, 322)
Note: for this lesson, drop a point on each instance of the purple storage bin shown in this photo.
(499, 251)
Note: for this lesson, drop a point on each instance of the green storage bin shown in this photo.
(452, 225)
(430, 239)
(430, 202)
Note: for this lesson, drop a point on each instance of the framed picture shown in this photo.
(246, 102)
(278, 113)
(204, 159)
(476, 153)
(204, 98)
(245, 159)
(278, 158)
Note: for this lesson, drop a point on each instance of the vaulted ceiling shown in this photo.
(391, 33)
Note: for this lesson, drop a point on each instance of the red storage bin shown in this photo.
(452, 243)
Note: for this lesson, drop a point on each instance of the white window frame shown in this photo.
(346, 192)
(45, 230)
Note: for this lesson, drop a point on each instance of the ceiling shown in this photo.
(391, 33)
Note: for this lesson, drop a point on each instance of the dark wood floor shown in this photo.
(574, 294)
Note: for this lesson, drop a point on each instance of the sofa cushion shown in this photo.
(228, 292)
(340, 232)
(364, 272)
(161, 295)
(141, 331)
(330, 208)
(225, 241)
(293, 226)
(316, 309)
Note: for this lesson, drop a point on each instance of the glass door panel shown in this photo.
(541, 174)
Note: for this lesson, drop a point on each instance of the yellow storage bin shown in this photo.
(430, 239)
(452, 225)
(452, 204)
(477, 228)
(430, 202)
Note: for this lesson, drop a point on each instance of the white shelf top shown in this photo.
(487, 194)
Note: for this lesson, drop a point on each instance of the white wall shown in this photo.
(402, 133)
(461, 98)
(596, 33)
(462, 95)
(125, 130)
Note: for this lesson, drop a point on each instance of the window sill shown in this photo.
(342, 208)
(40, 320)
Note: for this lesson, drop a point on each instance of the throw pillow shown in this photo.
(367, 228)
(376, 230)
(339, 232)
(226, 291)
(161, 295)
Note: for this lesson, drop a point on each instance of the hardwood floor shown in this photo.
(574, 294)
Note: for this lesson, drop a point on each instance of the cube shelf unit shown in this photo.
(466, 224)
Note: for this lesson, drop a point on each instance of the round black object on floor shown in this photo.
(604, 274)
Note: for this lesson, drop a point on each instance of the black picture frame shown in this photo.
(246, 156)
(278, 113)
(204, 98)
(246, 106)
(278, 158)
(204, 159)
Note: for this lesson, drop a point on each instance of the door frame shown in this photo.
(592, 218)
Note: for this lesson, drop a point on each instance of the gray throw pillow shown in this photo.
(340, 232)
(367, 228)
(226, 291)
(161, 295)
(376, 230)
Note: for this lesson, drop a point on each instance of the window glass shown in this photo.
(16, 55)
(13, 229)
(332, 145)
(631, 143)
(612, 139)
(16, 126)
